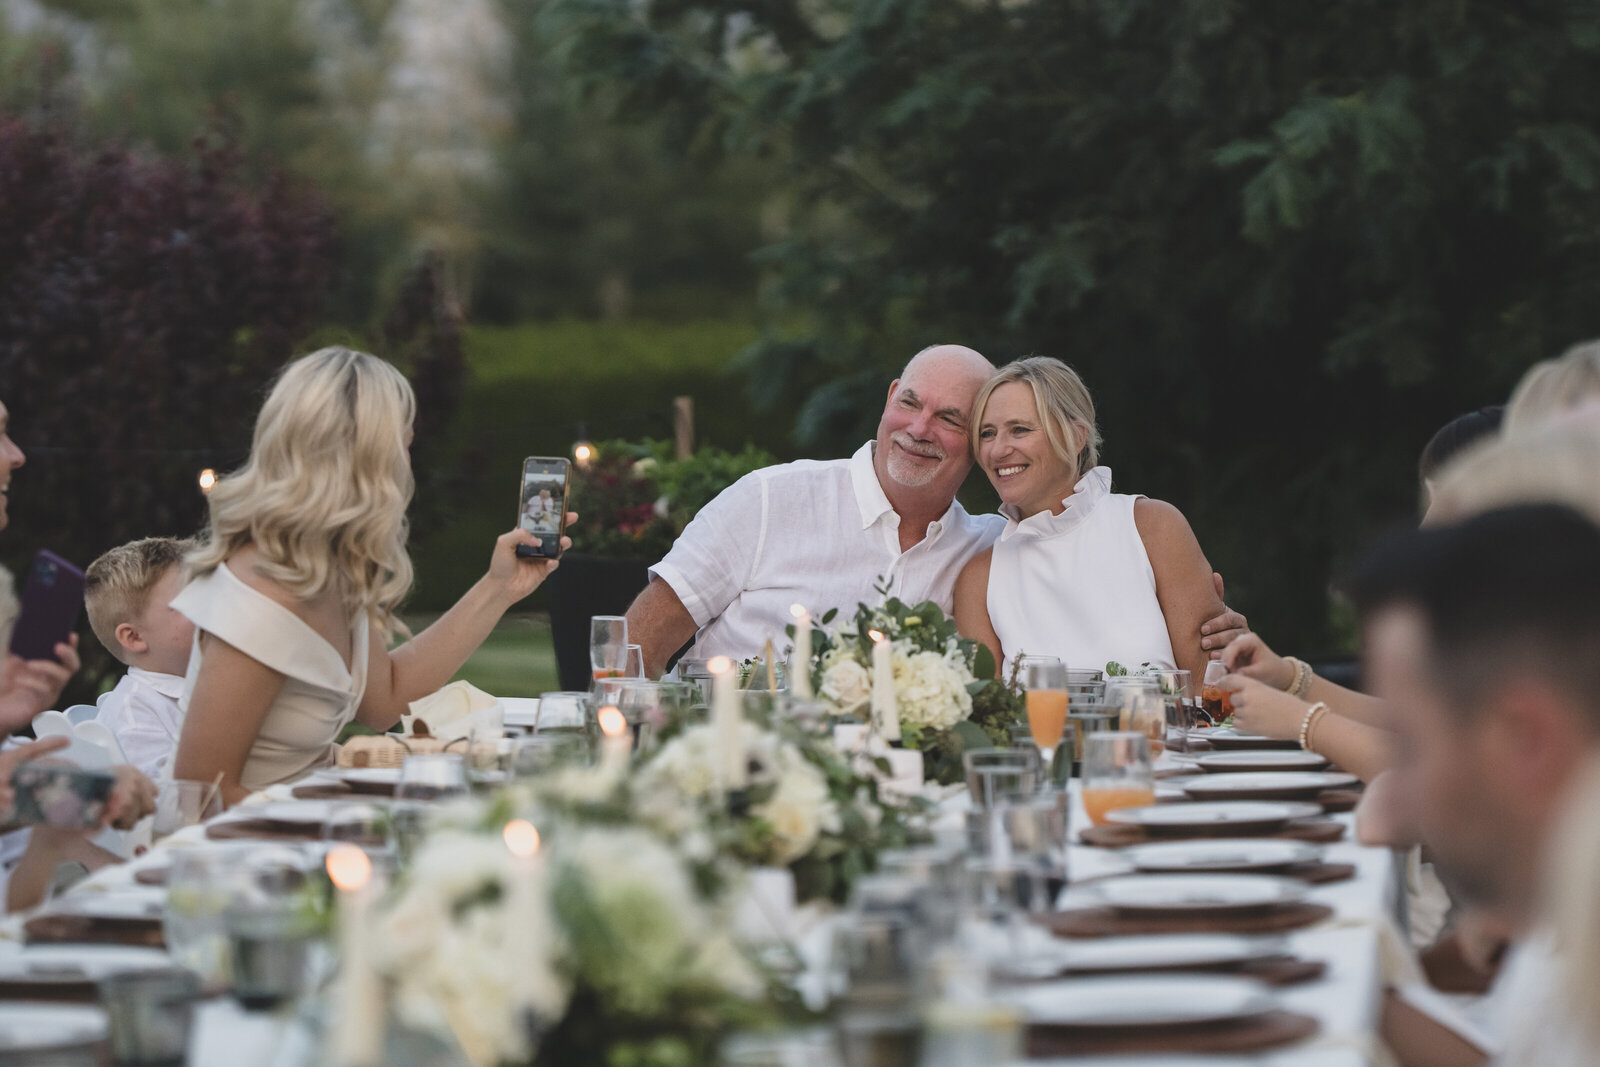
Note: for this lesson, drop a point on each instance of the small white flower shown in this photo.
(848, 685)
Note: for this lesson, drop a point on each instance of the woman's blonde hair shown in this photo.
(324, 493)
(1065, 409)
(1554, 386)
(1551, 463)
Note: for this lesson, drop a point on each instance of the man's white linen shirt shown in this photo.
(819, 533)
(142, 712)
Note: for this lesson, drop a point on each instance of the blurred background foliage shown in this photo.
(1282, 243)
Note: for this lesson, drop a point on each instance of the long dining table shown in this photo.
(1345, 1000)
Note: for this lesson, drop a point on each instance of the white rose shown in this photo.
(848, 685)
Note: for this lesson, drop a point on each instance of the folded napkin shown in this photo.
(455, 711)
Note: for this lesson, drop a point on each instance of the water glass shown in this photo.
(564, 713)
(992, 773)
(633, 661)
(1146, 713)
(183, 803)
(1178, 690)
(1034, 839)
(608, 645)
(357, 823)
(151, 1014)
(269, 935)
(1117, 773)
(199, 889)
(423, 781)
(540, 754)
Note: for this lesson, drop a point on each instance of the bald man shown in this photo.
(825, 533)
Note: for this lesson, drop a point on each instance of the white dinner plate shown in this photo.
(1200, 894)
(521, 711)
(1266, 785)
(370, 778)
(1142, 1000)
(290, 812)
(1159, 952)
(134, 902)
(1221, 854)
(1226, 737)
(1218, 815)
(1265, 760)
(70, 963)
(32, 1027)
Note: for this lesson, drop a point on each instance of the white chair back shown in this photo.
(51, 724)
(82, 712)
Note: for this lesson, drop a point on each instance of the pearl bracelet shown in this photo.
(1306, 723)
(1302, 677)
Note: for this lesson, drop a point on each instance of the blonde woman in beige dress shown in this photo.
(294, 589)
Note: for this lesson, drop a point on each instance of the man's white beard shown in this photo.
(907, 472)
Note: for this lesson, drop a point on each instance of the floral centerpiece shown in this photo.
(633, 963)
(948, 697)
(804, 805)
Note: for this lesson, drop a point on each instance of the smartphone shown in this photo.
(56, 794)
(542, 504)
(51, 602)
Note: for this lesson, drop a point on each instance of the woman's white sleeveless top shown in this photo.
(1078, 585)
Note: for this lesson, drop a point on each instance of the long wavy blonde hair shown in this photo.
(324, 493)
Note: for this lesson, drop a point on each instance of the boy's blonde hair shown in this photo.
(117, 584)
(323, 495)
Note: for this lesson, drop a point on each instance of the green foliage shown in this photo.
(1282, 243)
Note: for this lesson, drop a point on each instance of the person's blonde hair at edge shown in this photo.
(324, 493)
(1552, 463)
(1556, 385)
(1064, 406)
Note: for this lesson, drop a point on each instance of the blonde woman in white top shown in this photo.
(1079, 572)
(295, 587)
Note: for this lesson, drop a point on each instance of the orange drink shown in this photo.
(1099, 801)
(1047, 715)
(608, 672)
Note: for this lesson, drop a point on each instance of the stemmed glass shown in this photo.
(1044, 681)
(633, 661)
(1116, 773)
(608, 646)
(1217, 701)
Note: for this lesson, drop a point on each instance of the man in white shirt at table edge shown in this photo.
(825, 533)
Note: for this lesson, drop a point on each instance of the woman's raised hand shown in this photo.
(1248, 655)
(517, 576)
(1258, 708)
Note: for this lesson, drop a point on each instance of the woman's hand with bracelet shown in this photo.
(1258, 708)
(1248, 655)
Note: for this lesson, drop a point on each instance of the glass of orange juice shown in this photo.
(1044, 684)
(1117, 773)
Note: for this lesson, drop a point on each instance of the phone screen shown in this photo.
(543, 508)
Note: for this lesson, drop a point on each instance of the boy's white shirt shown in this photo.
(142, 711)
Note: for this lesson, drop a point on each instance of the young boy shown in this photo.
(127, 595)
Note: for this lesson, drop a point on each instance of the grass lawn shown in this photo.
(516, 660)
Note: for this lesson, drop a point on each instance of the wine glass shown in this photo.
(1116, 773)
(1044, 682)
(184, 803)
(1176, 687)
(1124, 689)
(1217, 701)
(1146, 713)
(608, 645)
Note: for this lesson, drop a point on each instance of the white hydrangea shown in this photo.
(931, 690)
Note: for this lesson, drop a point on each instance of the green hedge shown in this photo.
(530, 386)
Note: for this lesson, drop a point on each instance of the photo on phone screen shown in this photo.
(543, 509)
(59, 795)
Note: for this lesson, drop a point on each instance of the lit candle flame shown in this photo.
(875, 635)
(719, 664)
(612, 722)
(797, 610)
(208, 478)
(522, 838)
(348, 867)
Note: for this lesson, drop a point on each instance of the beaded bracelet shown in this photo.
(1306, 723)
(1302, 677)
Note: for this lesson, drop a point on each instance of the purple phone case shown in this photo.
(51, 603)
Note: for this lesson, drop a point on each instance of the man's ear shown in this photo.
(894, 387)
(1537, 735)
(130, 638)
